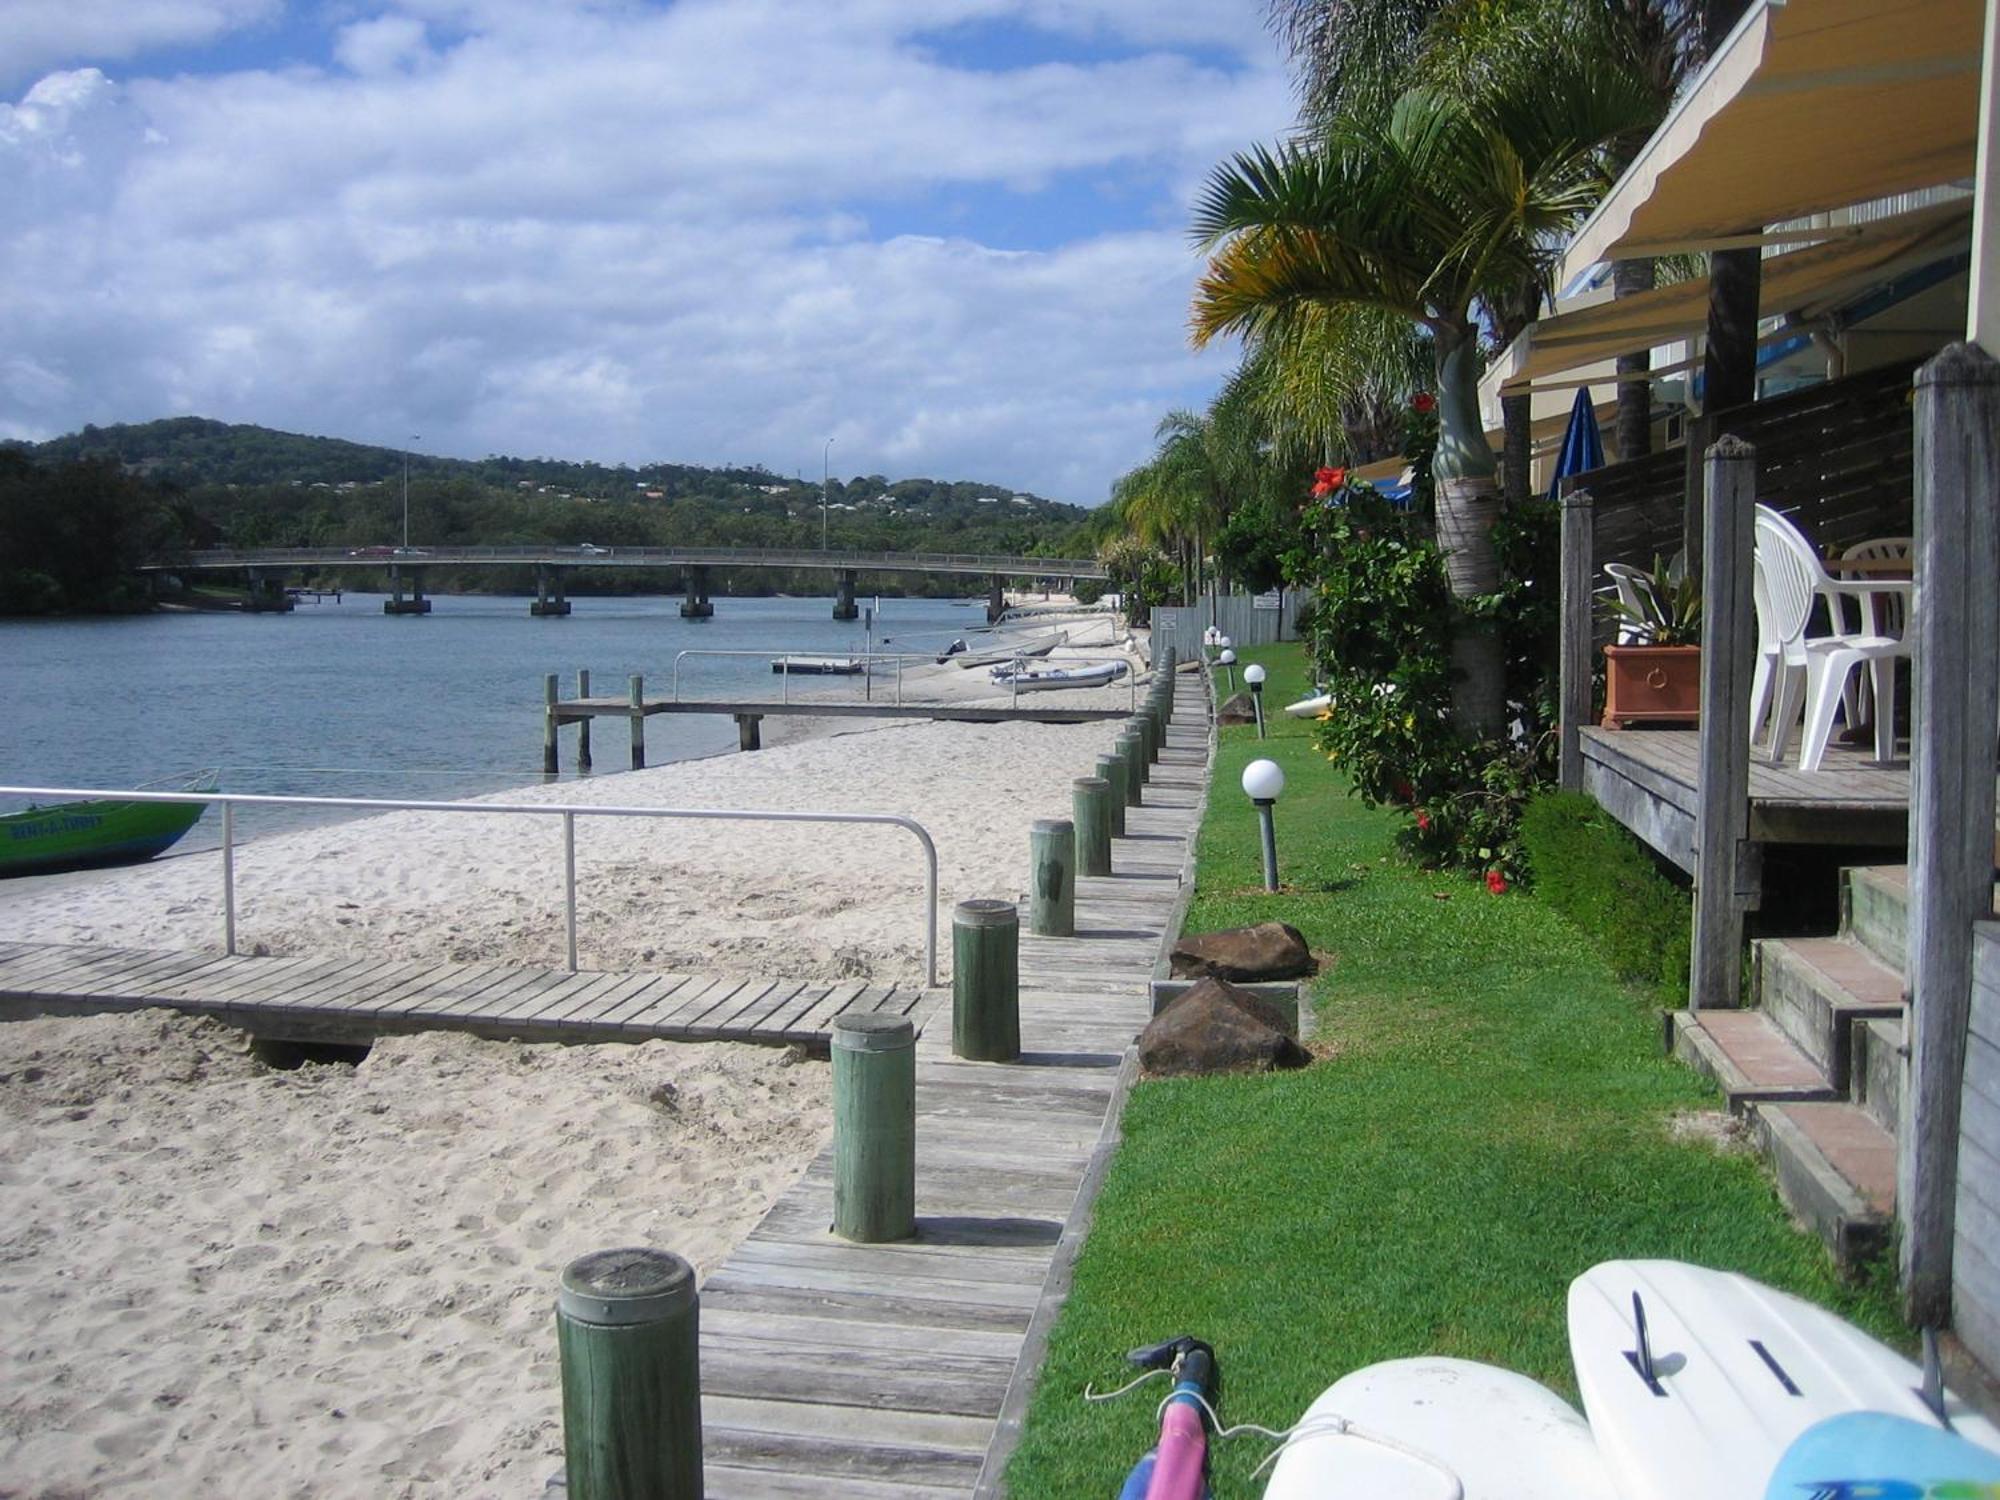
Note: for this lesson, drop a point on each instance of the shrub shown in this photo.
(1612, 887)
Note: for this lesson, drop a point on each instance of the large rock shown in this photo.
(1270, 950)
(1236, 710)
(1217, 1028)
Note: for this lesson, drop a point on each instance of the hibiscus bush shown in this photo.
(1380, 635)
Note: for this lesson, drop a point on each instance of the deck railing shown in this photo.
(568, 812)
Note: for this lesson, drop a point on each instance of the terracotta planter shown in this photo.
(1651, 685)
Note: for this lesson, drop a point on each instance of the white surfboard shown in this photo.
(1728, 1375)
(1310, 708)
(1502, 1436)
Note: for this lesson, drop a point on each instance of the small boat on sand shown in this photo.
(989, 658)
(819, 666)
(1022, 678)
(81, 835)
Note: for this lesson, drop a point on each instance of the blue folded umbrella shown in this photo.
(1583, 444)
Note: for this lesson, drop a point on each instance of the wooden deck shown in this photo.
(357, 999)
(1647, 780)
(886, 1372)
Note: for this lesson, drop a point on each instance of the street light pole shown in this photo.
(406, 492)
(825, 458)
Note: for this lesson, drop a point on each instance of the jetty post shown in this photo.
(986, 981)
(549, 725)
(627, 1328)
(1090, 805)
(583, 724)
(1138, 731)
(874, 1127)
(638, 717)
(1131, 753)
(1114, 770)
(1052, 878)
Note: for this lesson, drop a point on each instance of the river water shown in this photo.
(338, 699)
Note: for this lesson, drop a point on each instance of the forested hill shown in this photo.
(193, 453)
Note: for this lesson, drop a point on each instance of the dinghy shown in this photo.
(80, 835)
(1022, 678)
(819, 666)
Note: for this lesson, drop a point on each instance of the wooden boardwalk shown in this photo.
(886, 1372)
(353, 999)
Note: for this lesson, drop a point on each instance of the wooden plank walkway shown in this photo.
(1034, 708)
(883, 1372)
(349, 999)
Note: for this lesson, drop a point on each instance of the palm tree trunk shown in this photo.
(1468, 502)
(1517, 417)
(1634, 433)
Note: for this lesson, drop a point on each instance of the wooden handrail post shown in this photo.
(1722, 812)
(1955, 696)
(1573, 669)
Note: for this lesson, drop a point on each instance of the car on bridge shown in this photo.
(372, 552)
(589, 549)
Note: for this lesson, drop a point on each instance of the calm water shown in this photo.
(342, 700)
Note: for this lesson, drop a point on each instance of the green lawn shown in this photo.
(1495, 1115)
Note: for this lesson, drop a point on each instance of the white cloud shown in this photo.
(619, 231)
(42, 33)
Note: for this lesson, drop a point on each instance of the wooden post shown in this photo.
(1138, 729)
(748, 734)
(583, 724)
(1955, 696)
(1132, 750)
(1052, 878)
(1700, 433)
(627, 1327)
(1579, 567)
(986, 981)
(1090, 806)
(874, 1127)
(637, 714)
(1722, 815)
(1113, 769)
(549, 725)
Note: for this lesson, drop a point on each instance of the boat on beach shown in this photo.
(83, 835)
(991, 658)
(1025, 679)
(819, 666)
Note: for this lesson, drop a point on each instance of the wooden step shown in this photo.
(1748, 1057)
(1814, 989)
(1877, 1064)
(1874, 910)
(1836, 1170)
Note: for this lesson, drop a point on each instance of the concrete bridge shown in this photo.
(266, 569)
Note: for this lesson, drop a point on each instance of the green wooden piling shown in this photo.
(627, 1325)
(1130, 752)
(1139, 730)
(874, 1127)
(638, 714)
(986, 981)
(1114, 769)
(1052, 878)
(1090, 806)
(549, 725)
(583, 724)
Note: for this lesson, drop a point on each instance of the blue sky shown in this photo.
(949, 236)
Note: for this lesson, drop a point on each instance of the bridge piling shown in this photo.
(396, 604)
(694, 586)
(549, 596)
(844, 607)
(996, 599)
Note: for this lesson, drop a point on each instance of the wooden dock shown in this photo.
(887, 1372)
(1036, 710)
(355, 1000)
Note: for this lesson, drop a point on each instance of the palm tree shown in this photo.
(1422, 212)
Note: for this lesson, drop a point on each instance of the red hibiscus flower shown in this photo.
(1496, 882)
(1423, 821)
(1326, 481)
(1423, 403)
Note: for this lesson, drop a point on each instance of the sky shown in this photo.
(950, 235)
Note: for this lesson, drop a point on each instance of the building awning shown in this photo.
(1804, 281)
(1808, 106)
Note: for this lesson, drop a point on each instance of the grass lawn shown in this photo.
(1495, 1116)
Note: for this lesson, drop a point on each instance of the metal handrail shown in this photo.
(568, 811)
(898, 657)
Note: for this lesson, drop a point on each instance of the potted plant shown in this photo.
(1653, 675)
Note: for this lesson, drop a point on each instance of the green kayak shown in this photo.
(78, 835)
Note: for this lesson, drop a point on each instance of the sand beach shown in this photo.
(219, 1278)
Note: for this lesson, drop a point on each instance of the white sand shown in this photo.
(220, 1280)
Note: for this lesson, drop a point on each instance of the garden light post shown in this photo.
(1263, 780)
(825, 484)
(1228, 660)
(1254, 675)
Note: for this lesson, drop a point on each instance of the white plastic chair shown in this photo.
(1792, 579)
(1635, 592)
(1887, 613)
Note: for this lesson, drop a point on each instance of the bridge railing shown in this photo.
(569, 812)
(615, 557)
